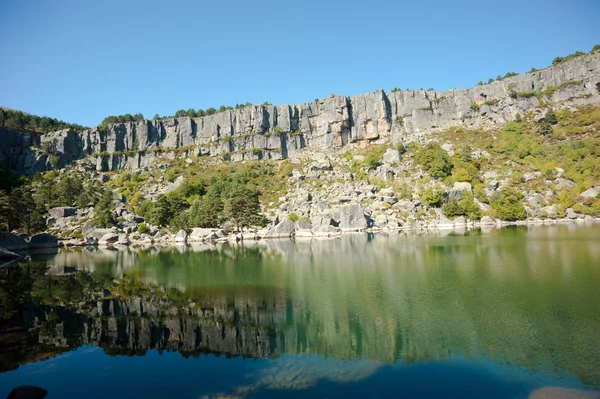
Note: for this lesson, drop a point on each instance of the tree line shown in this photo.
(17, 120)
(234, 202)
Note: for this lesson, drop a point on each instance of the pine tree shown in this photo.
(242, 206)
(103, 211)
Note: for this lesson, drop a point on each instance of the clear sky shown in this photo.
(81, 60)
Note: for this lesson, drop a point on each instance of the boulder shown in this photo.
(43, 240)
(462, 186)
(123, 240)
(571, 213)
(564, 184)
(303, 224)
(487, 221)
(199, 233)
(62, 211)
(90, 240)
(181, 236)
(590, 193)
(460, 221)
(87, 228)
(352, 218)
(321, 165)
(108, 239)
(6, 254)
(443, 223)
(12, 242)
(285, 228)
(391, 156)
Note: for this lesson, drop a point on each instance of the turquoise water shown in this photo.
(498, 315)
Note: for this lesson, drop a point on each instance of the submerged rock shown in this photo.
(6, 254)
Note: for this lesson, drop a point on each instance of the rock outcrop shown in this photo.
(275, 132)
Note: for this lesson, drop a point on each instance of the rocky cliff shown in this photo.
(274, 132)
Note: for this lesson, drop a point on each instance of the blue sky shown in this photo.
(81, 60)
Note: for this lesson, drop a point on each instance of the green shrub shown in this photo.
(475, 107)
(433, 196)
(545, 128)
(278, 130)
(400, 120)
(466, 207)
(508, 206)
(143, 228)
(256, 151)
(435, 160)
(374, 156)
(551, 117)
(293, 216)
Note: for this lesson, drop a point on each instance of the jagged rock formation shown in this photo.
(275, 132)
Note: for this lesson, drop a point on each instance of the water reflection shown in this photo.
(524, 297)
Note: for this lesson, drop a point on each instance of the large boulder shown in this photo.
(303, 224)
(391, 156)
(462, 186)
(181, 236)
(99, 233)
(590, 193)
(487, 221)
(62, 211)
(12, 242)
(285, 228)
(108, 239)
(199, 234)
(352, 218)
(43, 240)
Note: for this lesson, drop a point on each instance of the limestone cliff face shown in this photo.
(274, 132)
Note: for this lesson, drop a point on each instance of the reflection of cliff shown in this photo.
(528, 298)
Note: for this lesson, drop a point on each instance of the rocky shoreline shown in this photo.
(13, 246)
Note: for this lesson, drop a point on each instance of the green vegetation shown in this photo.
(433, 196)
(400, 120)
(103, 211)
(507, 205)
(374, 156)
(569, 57)
(17, 120)
(143, 228)
(466, 207)
(474, 107)
(293, 216)
(434, 159)
(120, 119)
(491, 102)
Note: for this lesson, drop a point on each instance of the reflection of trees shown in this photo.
(527, 298)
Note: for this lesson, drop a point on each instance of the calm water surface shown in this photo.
(476, 315)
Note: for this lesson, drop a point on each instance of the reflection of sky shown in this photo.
(87, 372)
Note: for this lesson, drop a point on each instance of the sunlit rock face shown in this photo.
(276, 132)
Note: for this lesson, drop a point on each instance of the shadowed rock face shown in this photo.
(335, 121)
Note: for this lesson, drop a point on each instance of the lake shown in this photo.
(509, 313)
